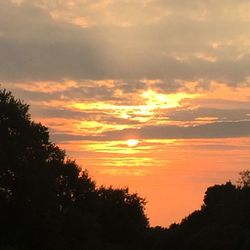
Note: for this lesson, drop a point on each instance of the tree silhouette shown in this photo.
(223, 222)
(122, 217)
(244, 180)
(47, 201)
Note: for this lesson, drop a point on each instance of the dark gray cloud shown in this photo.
(91, 115)
(212, 130)
(34, 46)
(220, 103)
(83, 91)
(221, 114)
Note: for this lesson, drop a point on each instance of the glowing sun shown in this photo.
(132, 142)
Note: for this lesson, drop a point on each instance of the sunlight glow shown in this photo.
(145, 111)
(132, 142)
(157, 100)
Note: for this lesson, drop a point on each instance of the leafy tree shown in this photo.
(122, 217)
(244, 180)
(38, 185)
(223, 222)
(47, 202)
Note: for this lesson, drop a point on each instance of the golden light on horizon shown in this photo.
(132, 142)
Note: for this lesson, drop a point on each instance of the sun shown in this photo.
(132, 142)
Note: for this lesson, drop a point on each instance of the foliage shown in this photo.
(48, 202)
(244, 180)
(222, 223)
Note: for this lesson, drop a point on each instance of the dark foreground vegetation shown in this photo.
(48, 203)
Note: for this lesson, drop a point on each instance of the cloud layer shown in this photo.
(45, 40)
(159, 68)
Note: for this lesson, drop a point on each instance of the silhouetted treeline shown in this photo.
(222, 223)
(48, 203)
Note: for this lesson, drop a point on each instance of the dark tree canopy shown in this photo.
(244, 180)
(222, 223)
(47, 201)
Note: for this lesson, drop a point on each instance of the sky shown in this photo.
(172, 75)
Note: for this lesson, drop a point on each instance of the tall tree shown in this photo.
(47, 202)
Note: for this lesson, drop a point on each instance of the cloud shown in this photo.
(220, 114)
(212, 130)
(92, 115)
(94, 62)
(166, 39)
(115, 92)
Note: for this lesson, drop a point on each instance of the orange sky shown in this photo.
(172, 174)
(173, 75)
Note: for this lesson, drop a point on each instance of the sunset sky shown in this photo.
(171, 76)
